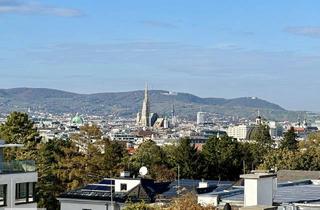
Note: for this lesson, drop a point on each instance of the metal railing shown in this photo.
(17, 166)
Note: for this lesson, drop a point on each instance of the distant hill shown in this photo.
(129, 103)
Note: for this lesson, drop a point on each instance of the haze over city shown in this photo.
(268, 49)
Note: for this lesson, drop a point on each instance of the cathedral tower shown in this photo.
(145, 112)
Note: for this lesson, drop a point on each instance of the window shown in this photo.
(123, 187)
(25, 192)
(21, 193)
(31, 191)
(3, 195)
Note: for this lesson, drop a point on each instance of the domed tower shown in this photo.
(259, 118)
(305, 123)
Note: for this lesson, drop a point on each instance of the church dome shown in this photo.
(253, 131)
(77, 120)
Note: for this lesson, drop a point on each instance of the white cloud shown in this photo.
(158, 24)
(28, 7)
(304, 31)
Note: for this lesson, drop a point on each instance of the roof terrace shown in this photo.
(17, 166)
(14, 166)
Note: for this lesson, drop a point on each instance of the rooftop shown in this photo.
(291, 175)
(191, 185)
(304, 191)
(147, 190)
(257, 175)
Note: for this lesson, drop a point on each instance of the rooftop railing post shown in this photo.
(1, 155)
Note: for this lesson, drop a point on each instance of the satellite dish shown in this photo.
(143, 171)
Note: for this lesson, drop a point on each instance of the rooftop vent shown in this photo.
(125, 174)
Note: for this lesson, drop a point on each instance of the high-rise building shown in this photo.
(145, 112)
(239, 132)
(173, 116)
(276, 129)
(317, 124)
(201, 117)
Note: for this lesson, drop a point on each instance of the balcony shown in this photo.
(17, 166)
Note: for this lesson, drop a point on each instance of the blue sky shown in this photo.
(211, 48)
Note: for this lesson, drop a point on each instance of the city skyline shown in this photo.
(214, 49)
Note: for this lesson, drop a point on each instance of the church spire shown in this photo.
(145, 112)
(146, 92)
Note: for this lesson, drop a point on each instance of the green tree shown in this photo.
(187, 201)
(222, 158)
(310, 152)
(290, 140)
(313, 141)
(111, 157)
(88, 134)
(89, 158)
(19, 129)
(281, 159)
(251, 156)
(261, 135)
(49, 186)
(306, 157)
(150, 155)
(102, 158)
(72, 167)
(260, 145)
(139, 206)
(187, 158)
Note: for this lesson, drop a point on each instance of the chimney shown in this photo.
(125, 174)
(203, 184)
(259, 188)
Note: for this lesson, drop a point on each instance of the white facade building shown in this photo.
(239, 132)
(201, 118)
(17, 190)
(276, 129)
(17, 182)
(317, 124)
(108, 194)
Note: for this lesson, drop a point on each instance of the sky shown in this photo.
(210, 48)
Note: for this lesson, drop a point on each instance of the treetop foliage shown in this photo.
(87, 158)
(290, 140)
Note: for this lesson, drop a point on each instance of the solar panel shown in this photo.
(107, 181)
(89, 187)
(288, 194)
(103, 188)
(297, 193)
(96, 187)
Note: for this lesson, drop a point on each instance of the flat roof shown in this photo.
(257, 175)
(289, 192)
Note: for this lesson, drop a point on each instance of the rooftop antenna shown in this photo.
(178, 187)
